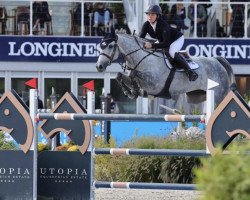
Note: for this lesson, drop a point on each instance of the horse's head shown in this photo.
(109, 52)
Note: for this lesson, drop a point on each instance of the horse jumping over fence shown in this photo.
(150, 70)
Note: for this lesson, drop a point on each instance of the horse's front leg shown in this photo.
(136, 88)
(127, 85)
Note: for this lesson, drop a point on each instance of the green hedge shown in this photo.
(226, 176)
(168, 169)
(6, 145)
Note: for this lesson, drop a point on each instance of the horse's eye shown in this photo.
(111, 46)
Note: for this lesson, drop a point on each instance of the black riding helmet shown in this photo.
(154, 9)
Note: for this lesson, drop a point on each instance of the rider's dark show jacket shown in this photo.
(164, 33)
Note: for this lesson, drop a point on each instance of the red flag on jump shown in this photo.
(90, 85)
(32, 83)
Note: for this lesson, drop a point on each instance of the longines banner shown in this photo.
(49, 49)
(84, 49)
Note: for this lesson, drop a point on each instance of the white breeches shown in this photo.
(176, 46)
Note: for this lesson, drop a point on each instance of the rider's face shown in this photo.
(151, 17)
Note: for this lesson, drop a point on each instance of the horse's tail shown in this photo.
(228, 68)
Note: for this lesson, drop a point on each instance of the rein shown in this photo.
(123, 57)
(140, 48)
(149, 53)
(113, 52)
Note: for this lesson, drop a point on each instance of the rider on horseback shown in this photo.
(168, 37)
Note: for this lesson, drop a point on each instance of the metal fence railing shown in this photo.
(76, 18)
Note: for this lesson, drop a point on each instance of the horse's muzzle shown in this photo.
(100, 68)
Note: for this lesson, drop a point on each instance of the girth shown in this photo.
(165, 91)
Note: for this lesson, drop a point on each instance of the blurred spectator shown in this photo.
(101, 15)
(88, 17)
(77, 19)
(165, 11)
(22, 20)
(201, 18)
(22, 14)
(178, 15)
(219, 30)
(206, 6)
(40, 14)
(237, 20)
(88, 9)
(39, 103)
(3, 19)
(119, 20)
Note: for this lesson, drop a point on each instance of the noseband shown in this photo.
(104, 44)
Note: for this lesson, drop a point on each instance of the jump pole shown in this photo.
(91, 110)
(149, 152)
(33, 113)
(136, 185)
(210, 102)
(122, 117)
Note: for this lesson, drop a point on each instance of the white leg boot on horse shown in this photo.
(192, 75)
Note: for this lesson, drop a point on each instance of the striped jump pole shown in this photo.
(150, 152)
(122, 117)
(132, 185)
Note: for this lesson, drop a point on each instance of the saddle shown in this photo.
(171, 63)
(173, 66)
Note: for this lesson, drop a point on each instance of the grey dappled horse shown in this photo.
(149, 71)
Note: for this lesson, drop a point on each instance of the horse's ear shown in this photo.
(113, 34)
(102, 33)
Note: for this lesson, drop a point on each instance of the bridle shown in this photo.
(106, 42)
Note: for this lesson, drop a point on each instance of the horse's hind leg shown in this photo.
(127, 86)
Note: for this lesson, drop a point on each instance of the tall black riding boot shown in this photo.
(192, 75)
